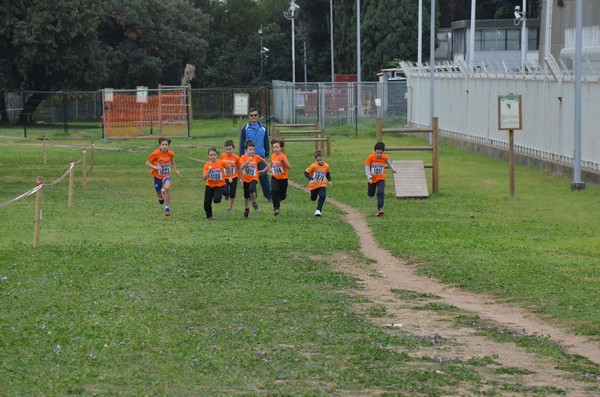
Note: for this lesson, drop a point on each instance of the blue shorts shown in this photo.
(158, 183)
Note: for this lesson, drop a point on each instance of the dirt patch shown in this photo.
(386, 275)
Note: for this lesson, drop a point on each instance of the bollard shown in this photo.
(38, 214)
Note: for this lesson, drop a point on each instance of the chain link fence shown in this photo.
(79, 114)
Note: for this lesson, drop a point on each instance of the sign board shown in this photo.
(241, 104)
(509, 112)
(108, 95)
(141, 94)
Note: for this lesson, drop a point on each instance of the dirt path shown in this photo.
(388, 274)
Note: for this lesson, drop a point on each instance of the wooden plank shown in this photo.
(407, 148)
(405, 130)
(409, 179)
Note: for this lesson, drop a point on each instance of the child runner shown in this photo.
(215, 172)
(249, 169)
(318, 174)
(279, 178)
(161, 161)
(233, 161)
(375, 170)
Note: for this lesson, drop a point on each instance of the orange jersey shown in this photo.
(233, 162)
(377, 166)
(280, 171)
(217, 173)
(318, 174)
(250, 171)
(163, 160)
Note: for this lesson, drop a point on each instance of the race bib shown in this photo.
(277, 169)
(231, 170)
(319, 176)
(377, 169)
(250, 170)
(216, 175)
(164, 169)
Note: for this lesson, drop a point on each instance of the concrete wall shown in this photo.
(467, 107)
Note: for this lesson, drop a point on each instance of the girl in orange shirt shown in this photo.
(161, 161)
(215, 173)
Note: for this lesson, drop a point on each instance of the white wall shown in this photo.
(466, 105)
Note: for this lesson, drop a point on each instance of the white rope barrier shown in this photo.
(28, 193)
(38, 187)
(65, 174)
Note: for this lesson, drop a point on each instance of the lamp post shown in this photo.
(420, 36)
(358, 72)
(290, 14)
(260, 34)
(331, 37)
(521, 17)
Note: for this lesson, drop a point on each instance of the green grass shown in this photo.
(119, 300)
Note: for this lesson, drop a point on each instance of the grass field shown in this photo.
(118, 300)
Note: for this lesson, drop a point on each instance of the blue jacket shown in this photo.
(258, 134)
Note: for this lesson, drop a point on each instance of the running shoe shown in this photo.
(255, 206)
(276, 212)
(167, 211)
(246, 213)
(318, 213)
(380, 213)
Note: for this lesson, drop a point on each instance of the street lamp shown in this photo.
(521, 17)
(290, 14)
(262, 54)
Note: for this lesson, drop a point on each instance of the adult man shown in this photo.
(254, 131)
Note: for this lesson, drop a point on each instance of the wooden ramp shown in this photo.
(409, 179)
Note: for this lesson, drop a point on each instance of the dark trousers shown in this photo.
(380, 188)
(230, 188)
(211, 194)
(321, 194)
(278, 191)
(264, 181)
(249, 187)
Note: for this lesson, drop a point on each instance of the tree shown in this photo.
(50, 45)
(77, 44)
(151, 41)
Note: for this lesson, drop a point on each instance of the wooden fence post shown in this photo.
(83, 155)
(38, 214)
(92, 158)
(44, 149)
(379, 130)
(71, 182)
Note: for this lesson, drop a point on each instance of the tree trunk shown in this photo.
(32, 103)
(3, 113)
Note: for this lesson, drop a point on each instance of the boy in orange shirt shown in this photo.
(318, 174)
(233, 161)
(161, 160)
(279, 178)
(375, 169)
(215, 172)
(250, 173)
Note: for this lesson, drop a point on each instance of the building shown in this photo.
(497, 42)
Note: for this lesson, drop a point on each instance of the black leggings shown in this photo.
(230, 188)
(278, 191)
(212, 194)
